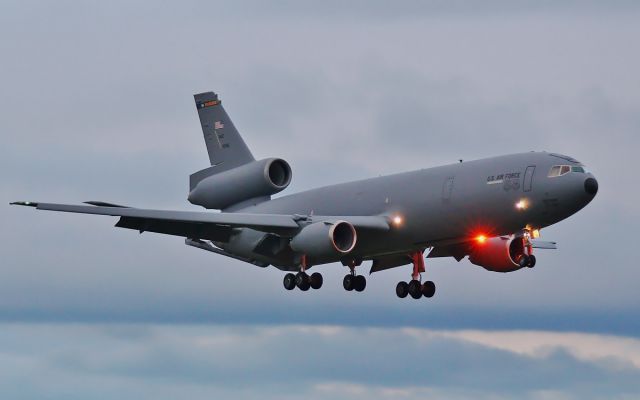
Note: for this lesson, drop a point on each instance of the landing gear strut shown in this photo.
(302, 280)
(352, 281)
(415, 288)
(527, 259)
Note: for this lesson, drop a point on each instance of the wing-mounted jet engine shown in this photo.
(325, 240)
(501, 254)
(507, 253)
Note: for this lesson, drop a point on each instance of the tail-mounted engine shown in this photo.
(499, 254)
(255, 180)
(325, 240)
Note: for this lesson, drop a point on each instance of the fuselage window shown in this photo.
(577, 169)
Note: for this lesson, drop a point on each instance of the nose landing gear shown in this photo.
(415, 288)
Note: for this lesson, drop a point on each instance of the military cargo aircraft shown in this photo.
(489, 210)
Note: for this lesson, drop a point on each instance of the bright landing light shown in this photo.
(481, 238)
(522, 204)
(397, 220)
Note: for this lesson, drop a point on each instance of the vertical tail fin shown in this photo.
(224, 144)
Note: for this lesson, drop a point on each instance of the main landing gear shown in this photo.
(415, 288)
(303, 280)
(352, 281)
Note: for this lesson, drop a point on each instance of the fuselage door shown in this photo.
(447, 188)
(528, 178)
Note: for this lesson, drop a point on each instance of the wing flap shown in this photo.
(216, 233)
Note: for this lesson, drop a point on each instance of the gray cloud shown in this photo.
(316, 362)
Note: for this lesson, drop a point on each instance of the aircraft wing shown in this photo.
(205, 225)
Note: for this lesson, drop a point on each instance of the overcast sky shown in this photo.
(96, 104)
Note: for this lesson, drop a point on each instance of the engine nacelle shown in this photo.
(325, 240)
(256, 179)
(499, 254)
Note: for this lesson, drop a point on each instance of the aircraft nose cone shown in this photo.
(591, 186)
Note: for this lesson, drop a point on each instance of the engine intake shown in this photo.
(325, 240)
(219, 190)
(498, 254)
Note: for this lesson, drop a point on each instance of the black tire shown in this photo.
(316, 280)
(402, 289)
(532, 261)
(415, 289)
(302, 281)
(360, 283)
(523, 261)
(348, 282)
(428, 289)
(289, 281)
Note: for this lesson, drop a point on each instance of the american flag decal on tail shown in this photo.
(218, 125)
(209, 103)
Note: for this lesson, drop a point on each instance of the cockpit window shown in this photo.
(559, 170)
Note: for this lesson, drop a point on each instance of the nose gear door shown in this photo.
(528, 178)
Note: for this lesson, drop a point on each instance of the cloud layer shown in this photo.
(318, 362)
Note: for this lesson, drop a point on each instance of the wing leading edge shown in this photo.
(206, 225)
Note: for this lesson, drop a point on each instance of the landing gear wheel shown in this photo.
(532, 261)
(289, 281)
(428, 289)
(402, 289)
(360, 283)
(348, 282)
(302, 281)
(316, 280)
(415, 289)
(523, 261)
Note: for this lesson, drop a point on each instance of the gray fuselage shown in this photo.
(438, 205)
